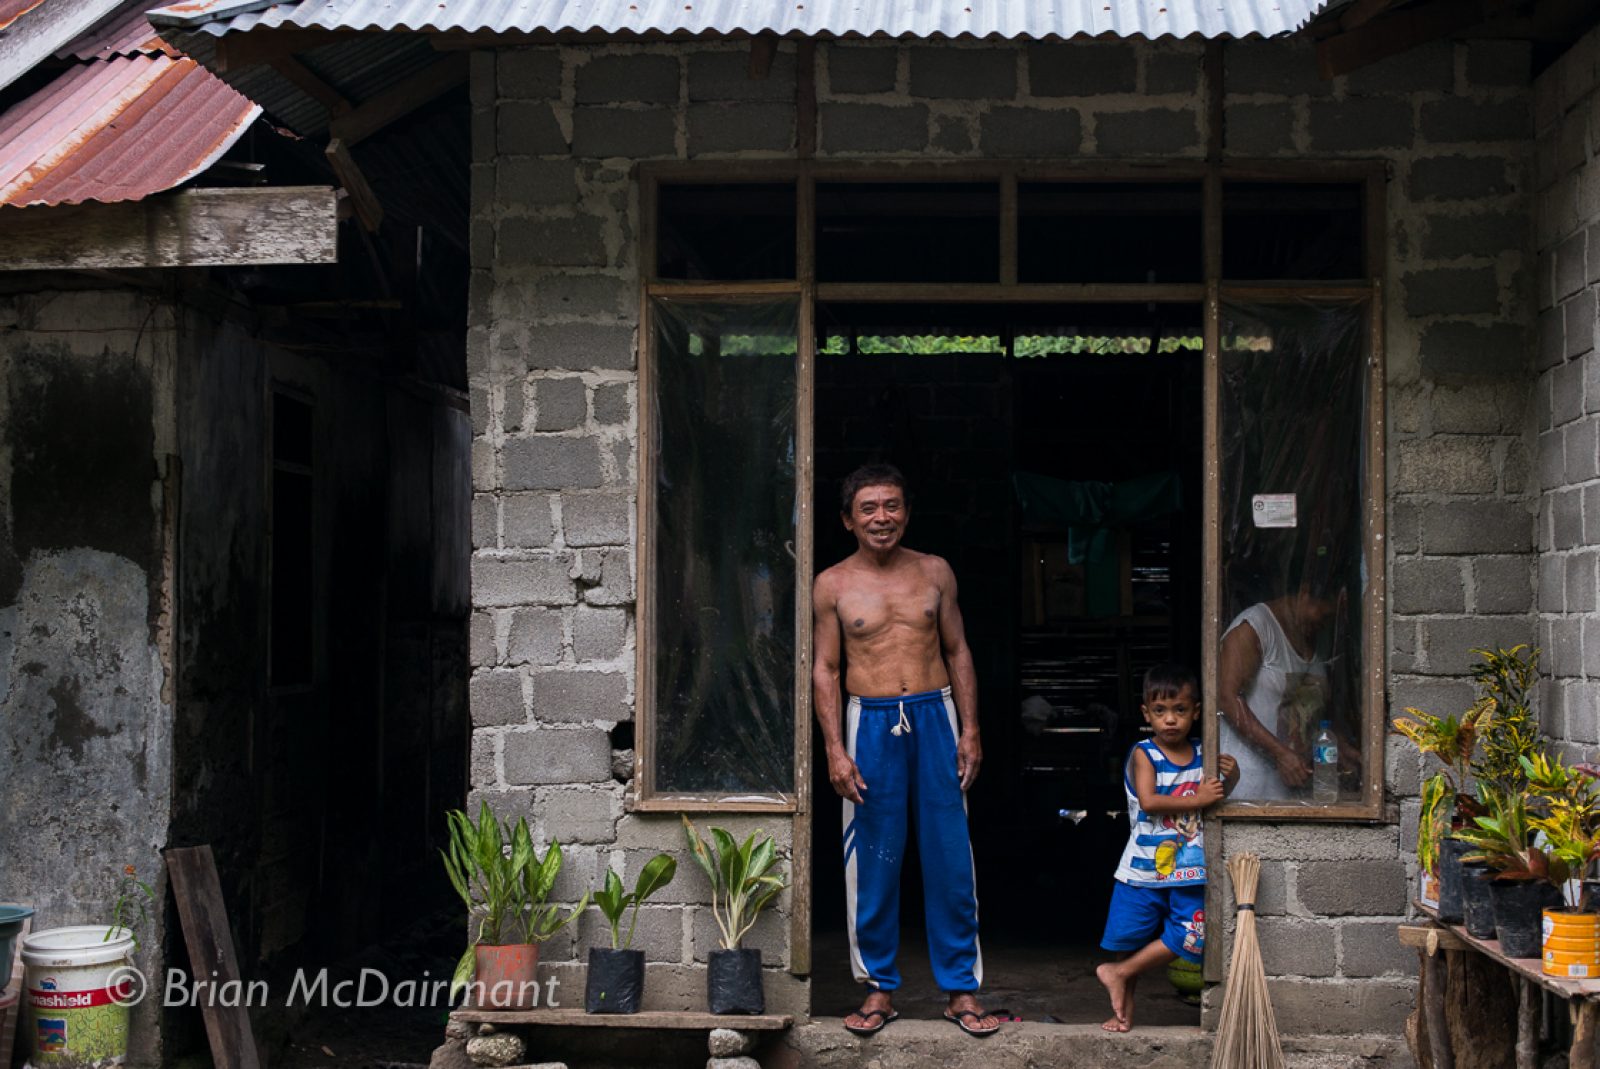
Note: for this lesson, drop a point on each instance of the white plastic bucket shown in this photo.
(78, 981)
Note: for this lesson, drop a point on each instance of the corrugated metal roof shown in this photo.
(118, 129)
(126, 33)
(823, 18)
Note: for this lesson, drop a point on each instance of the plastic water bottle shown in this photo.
(1325, 767)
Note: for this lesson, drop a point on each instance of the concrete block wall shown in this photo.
(1566, 404)
(552, 346)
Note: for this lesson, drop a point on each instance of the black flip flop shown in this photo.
(960, 1018)
(873, 1029)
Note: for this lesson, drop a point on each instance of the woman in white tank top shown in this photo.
(1274, 694)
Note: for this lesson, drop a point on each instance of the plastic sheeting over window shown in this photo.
(1292, 488)
(722, 569)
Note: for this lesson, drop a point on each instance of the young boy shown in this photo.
(1158, 904)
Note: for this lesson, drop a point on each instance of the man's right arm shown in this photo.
(826, 696)
(1239, 663)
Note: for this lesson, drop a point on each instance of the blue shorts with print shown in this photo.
(1139, 912)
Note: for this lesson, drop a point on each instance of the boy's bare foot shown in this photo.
(879, 1005)
(1120, 987)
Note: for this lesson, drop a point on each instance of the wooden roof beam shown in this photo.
(401, 99)
(1399, 32)
(303, 79)
(194, 228)
(365, 202)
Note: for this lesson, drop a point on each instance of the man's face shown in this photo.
(877, 517)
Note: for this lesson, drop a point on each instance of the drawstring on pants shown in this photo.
(904, 726)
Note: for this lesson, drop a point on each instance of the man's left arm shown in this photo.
(963, 677)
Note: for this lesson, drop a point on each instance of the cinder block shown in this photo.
(520, 180)
(1469, 409)
(1030, 132)
(596, 519)
(1402, 770)
(674, 988)
(1171, 70)
(611, 405)
(853, 69)
(567, 295)
(528, 128)
(581, 346)
(548, 756)
(527, 521)
(1581, 445)
(616, 578)
(1428, 585)
(1452, 291)
(873, 128)
(599, 634)
(1489, 233)
(945, 72)
(549, 463)
(578, 814)
(1580, 586)
(952, 134)
(1578, 324)
(567, 696)
(1259, 129)
(1352, 888)
(1458, 178)
(1566, 515)
(632, 133)
(560, 404)
(1283, 67)
(575, 242)
(1469, 350)
(482, 767)
(1502, 585)
(726, 76)
(650, 78)
(658, 932)
(1360, 125)
(485, 521)
(1342, 1007)
(1499, 63)
(528, 73)
(541, 581)
(1448, 642)
(1372, 948)
(481, 644)
(1286, 842)
(496, 698)
(1295, 947)
(1150, 131)
(1272, 893)
(1082, 68)
(1591, 516)
(1452, 464)
(727, 128)
(535, 637)
(1418, 70)
(1438, 697)
(1457, 119)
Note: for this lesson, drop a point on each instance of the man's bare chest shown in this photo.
(871, 610)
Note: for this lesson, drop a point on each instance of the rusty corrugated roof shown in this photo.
(125, 33)
(118, 129)
(823, 18)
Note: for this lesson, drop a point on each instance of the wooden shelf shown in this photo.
(666, 1020)
(1528, 968)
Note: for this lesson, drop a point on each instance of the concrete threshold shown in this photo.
(822, 1043)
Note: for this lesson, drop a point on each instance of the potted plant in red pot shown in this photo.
(741, 887)
(506, 885)
(615, 982)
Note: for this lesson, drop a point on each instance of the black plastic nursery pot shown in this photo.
(733, 982)
(1476, 905)
(615, 983)
(1450, 905)
(1519, 914)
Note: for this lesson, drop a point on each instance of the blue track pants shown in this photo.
(906, 751)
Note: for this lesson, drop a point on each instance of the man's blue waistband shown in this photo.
(901, 699)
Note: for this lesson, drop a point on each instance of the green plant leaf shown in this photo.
(465, 968)
(656, 874)
(700, 852)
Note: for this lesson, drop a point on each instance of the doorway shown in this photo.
(1054, 459)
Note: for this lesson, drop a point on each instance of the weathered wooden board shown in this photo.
(658, 1019)
(211, 954)
(194, 228)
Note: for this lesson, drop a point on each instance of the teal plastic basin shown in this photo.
(11, 918)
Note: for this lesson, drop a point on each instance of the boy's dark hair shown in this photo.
(1167, 680)
(870, 475)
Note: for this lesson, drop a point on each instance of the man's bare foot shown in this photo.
(874, 1013)
(968, 1013)
(1120, 988)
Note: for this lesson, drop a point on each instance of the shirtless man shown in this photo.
(900, 749)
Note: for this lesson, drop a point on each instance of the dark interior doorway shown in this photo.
(1094, 410)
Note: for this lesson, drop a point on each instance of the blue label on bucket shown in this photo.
(51, 1035)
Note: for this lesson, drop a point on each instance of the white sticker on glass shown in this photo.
(1273, 510)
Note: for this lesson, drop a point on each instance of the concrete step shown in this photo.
(822, 1043)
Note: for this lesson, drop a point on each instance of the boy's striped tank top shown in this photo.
(1165, 849)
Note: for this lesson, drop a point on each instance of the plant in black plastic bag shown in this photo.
(615, 982)
(741, 887)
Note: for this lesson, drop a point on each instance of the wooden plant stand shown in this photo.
(1436, 942)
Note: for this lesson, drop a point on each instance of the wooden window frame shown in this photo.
(1210, 293)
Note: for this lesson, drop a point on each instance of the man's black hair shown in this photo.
(1166, 681)
(870, 475)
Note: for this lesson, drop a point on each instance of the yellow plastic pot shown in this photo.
(1571, 944)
